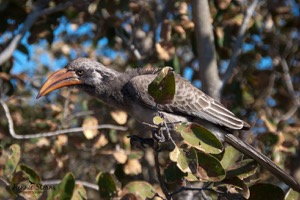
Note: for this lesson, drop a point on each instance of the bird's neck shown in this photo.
(110, 91)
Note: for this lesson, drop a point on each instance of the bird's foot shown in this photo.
(158, 135)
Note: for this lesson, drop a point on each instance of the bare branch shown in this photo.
(3, 180)
(159, 176)
(54, 133)
(31, 18)
(288, 79)
(84, 183)
(130, 45)
(291, 91)
(238, 43)
(206, 49)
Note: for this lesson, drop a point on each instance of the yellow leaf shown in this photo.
(119, 116)
(174, 154)
(90, 122)
(157, 120)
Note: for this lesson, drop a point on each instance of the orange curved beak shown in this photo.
(59, 79)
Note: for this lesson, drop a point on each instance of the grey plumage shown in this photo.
(129, 91)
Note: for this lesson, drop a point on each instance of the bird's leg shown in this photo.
(158, 135)
(163, 128)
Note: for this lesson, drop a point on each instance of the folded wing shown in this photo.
(188, 101)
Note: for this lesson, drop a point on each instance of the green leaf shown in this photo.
(107, 186)
(292, 195)
(64, 190)
(26, 182)
(172, 173)
(235, 185)
(30, 173)
(192, 159)
(191, 177)
(199, 137)
(79, 193)
(12, 159)
(231, 155)
(209, 169)
(242, 169)
(140, 189)
(263, 191)
(162, 88)
(178, 156)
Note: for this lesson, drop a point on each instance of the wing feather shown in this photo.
(188, 101)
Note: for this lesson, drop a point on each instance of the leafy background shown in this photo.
(262, 88)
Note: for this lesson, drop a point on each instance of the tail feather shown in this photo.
(262, 160)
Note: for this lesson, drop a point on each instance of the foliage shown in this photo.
(263, 90)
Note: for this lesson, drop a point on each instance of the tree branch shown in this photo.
(238, 43)
(206, 51)
(84, 183)
(54, 133)
(31, 18)
(291, 91)
(159, 176)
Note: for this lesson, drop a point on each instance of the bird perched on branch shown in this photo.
(129, 91)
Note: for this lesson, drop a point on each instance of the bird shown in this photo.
(128, 91)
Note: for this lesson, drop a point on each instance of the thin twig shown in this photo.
(289, 84)
(31, 18)
(54, 133)
(4, 181)
(288, 79)
(159, 176)
(131, 47)
(84, 183)
(238, 43)
(291, 91)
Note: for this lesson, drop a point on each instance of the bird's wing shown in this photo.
(188, 101)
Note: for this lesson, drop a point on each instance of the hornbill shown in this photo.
(129, 91)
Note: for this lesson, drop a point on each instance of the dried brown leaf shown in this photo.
(133, 167)
(119, 116)
(89, 122)
(101, 142)
(165, 50)
(43, 142)
(183, 8)
(120, 156)
(61, 140)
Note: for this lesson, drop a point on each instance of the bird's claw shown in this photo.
(159, 136)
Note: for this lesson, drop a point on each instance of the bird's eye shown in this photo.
(79, 72)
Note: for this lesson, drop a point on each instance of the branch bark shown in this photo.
(31, 18)
(159, 176)
(211, 83)
(238, 43)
